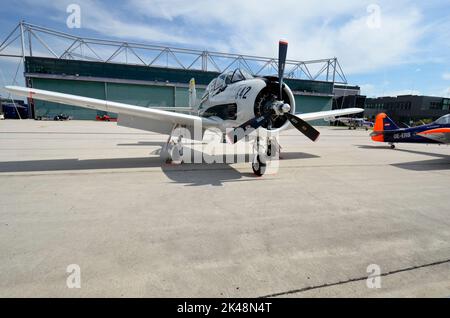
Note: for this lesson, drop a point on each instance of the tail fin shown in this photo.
(382, 123)
(192, 94)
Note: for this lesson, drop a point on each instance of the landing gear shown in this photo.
(270, 152)
(259, 168)
(392, 146)
(172, 151)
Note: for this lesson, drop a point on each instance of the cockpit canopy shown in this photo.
(444, 120)
(227, 78)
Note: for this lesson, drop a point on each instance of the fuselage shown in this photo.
(421, 134)
(235, 98)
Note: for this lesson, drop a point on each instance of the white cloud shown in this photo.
(314, 29)
(404, 92)
(117, 21)
(446, 76)
(368, 90)
(371, 90)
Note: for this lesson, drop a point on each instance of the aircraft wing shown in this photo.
(134, 116)
(176, 109)
(329, 114)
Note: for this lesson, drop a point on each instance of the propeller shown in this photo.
(279, 108)
(282, 53)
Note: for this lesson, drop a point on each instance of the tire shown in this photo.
(392, 146)
(258, 167)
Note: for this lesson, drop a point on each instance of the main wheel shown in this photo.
(258, 167)
(392, 146)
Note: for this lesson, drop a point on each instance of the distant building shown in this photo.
(348, 96)
(10, 108)
(407, 108)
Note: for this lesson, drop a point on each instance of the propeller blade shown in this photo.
(282, 53)
(305, 128)
(240, 132)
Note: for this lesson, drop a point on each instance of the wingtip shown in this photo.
(13, 88)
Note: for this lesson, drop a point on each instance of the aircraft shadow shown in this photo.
(76, 164)
(190, 174)
(441, 163)
(425, 165)
(216, 174)
(372, 147)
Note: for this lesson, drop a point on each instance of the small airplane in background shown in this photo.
(353, 123)
(235, 103)
(385, 130)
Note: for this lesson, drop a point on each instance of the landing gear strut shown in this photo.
(172, 151)
(259, 164)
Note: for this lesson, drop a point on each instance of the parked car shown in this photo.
(105, 118)
(61, 117)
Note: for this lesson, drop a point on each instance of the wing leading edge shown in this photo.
(134, 113)
(329, 114)
(168, 117)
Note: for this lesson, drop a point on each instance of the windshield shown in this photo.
(240, 75)
(444, 120)
(225, 79)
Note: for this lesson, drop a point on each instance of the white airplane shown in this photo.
(235, 102)
(354, 123)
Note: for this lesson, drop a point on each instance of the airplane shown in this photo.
(385, 130)
(236, 103)
(354, 123)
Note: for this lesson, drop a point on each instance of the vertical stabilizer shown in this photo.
(382, 123)
(192, 94)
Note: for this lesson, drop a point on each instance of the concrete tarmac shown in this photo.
(97, 195)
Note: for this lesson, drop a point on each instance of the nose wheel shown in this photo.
(259, 168)
(265, 156)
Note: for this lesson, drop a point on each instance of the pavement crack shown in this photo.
(351, 280)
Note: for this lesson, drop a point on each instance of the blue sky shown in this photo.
(387, 48)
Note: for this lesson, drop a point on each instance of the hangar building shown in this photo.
(149, 75)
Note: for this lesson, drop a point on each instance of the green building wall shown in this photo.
(139, 95)
(141, 86)
(307, 104)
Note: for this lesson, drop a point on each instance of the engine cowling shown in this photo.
(267, 97)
